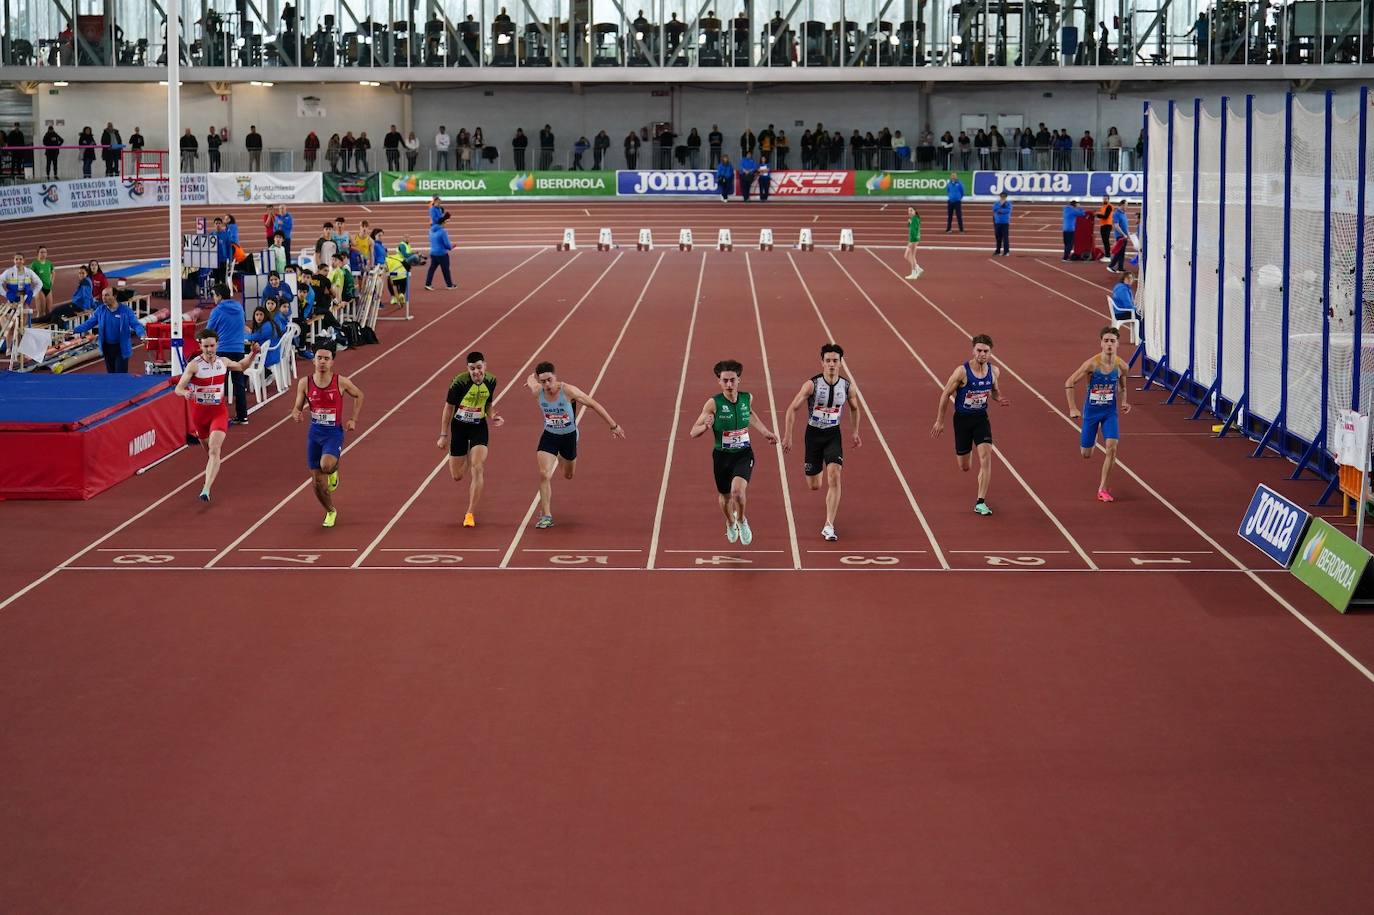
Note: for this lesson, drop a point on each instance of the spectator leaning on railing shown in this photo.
(252, 143)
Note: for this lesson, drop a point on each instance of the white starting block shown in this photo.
(724, 242)
(765, 239)
(684, 239)
(646, 241)
(604, 241)
(804, 242)
(846, 239)
(569, 242)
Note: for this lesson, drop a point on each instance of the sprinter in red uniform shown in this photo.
(324, 391)
(203, 385)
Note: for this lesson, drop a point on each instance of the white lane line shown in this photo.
(773, 416)
(677, 411)
(726, 551)
(1081, 279)
(438, 549)
(384, 417)
(592, 551)
(157, 549)
(364, 209)
(877, 429)
(200, 475)
(1155, 552)
(1011, 468)
(1101, 313)
(606, 364)
(443, 462)
(876, 550)
(1012, 550)
(1211, 541)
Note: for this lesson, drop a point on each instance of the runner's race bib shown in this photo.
(976, 400)
(323, 418)
(559, 420)
(1102, 395)
(825, 417)
(468, 415)
(734, 439)
(209, 398)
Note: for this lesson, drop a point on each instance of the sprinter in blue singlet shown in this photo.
(558, 442)
(971, 386)
(1106, 376)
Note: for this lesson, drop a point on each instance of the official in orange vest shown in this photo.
(1104, 226)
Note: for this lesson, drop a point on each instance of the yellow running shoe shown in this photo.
(469, 521)
(333, 481)
(329, 517)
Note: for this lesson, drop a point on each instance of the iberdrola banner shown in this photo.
(467, 185)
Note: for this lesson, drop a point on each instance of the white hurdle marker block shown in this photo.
(646, 241)
(569, 242)
(765, 239)
(804, 242)
(604, 241)
(724, 242)
(846, 239)
(684, 239)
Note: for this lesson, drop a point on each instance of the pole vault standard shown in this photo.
(174, 186)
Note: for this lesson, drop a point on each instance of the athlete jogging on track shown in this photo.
(203, 384)
(558, 442)
(913, 239)
(970, 386)
(825, 395)
(324, 391)
(463, 428)
(1106, 374)
(729, 417)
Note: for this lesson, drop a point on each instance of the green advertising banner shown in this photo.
(350, 188)
(466, 185)
(1330, 563)
(907, 184)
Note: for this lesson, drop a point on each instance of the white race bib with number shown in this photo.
(211, 398)
(976, 400)
(734, 439)
(1102, 395)
(468, 415)
(322, 418)
(825, 417)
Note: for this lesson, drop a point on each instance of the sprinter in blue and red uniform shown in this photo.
(971, 386)
(324, 391)
(1106, 375)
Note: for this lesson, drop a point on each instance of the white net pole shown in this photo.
(174, 185)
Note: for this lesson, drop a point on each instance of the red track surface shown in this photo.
(569, 734)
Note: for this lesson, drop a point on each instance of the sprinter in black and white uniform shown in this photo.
(826, 395)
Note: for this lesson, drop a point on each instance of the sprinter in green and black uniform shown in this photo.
(729, 416)
(463, 428)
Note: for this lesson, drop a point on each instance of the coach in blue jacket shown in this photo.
(114, 323)
(1001, 225)
(228, 321)
(725, 178)
(439, 247)
(954, 203)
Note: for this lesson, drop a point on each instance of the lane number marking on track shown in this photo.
(1172, 560)
(722, 561)
(429, 559)
(1026, 561)
(858, 560)
(576, 559)
(128, 559)
(303, 558)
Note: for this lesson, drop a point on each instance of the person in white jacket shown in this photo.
(442, 142)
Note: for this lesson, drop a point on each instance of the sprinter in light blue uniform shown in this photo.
(971, 386)
(1106, 375)
(558, 441)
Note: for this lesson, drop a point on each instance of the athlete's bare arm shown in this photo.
(444, 422)
(756, 422)
(246, 362)
(183, 386)
(1071, 385)
(352, 390)
(532, 383)
(1122, 371)
(705, 420)
(299, 406)
(856, 411)
(790, 417)
(956, 378)
(577, 395)
(997, 387)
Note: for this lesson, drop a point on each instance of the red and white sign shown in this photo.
(812, 184)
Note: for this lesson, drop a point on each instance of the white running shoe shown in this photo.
(911, 276)
(828, 533)
(746, 536)
(731, 531)
(916, 274)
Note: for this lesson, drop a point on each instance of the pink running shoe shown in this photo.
(1104, 496)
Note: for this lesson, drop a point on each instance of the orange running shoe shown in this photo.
(469, 521)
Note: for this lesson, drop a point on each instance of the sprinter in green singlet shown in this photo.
(729, 417)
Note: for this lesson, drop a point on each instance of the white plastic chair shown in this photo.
(1118, 323)
(256, 374)
(285, 370)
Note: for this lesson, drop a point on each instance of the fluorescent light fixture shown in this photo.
(61, 84)
(163, 82)
(258, 82)
(368, 82)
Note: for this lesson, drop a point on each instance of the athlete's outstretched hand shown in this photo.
(787, 446)
(296, 415)
(1074, 414)
(1125, 408)
(771, 436)
(351, 425)
(617, 431)
(498, 420)
(855, 440)
(443, 441)
(936, 429)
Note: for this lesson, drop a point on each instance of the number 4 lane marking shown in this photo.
(722, 560)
